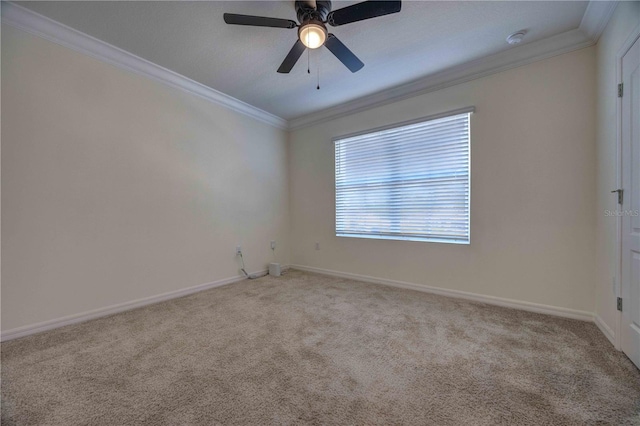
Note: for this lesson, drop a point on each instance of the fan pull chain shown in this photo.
(308, 55)
(319, 62)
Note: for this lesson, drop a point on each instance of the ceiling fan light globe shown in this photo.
(312, 35)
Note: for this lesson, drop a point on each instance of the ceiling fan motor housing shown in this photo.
(307, 13)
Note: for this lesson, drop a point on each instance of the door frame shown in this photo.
(626, 46)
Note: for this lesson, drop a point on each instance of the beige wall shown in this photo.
(532, 197)
(624, 20)
(116, 188)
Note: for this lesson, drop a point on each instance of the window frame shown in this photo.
(467, 110)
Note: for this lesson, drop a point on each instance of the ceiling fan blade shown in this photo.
(258, 21)
(361, 11)
(292, 57)
(341, 52)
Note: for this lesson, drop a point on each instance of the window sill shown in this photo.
(403, 238)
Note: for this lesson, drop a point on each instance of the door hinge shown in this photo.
(620, 304)
(620, 90)
(620, 195)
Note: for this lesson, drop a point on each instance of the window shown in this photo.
(406, 182)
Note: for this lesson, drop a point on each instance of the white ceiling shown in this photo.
(426, 37)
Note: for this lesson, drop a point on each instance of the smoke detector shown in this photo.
(516, 38)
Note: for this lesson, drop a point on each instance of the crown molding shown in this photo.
(596, 17)
(512, 58)
(594, 21)
(41, 26)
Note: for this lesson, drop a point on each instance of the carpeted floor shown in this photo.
(309, 349)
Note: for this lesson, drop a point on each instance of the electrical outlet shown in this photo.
(238, 250)
(317, 245)
(273, 245)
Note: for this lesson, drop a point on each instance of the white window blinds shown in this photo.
(409, 182)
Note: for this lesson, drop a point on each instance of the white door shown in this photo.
(630, 277)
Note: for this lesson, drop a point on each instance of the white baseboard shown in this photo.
(605, 329)
(491, 300)
(114, 309)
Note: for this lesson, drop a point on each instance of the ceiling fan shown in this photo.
(312, 31)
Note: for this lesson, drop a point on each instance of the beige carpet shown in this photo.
(308, 349)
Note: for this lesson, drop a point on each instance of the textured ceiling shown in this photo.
(192, 39)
